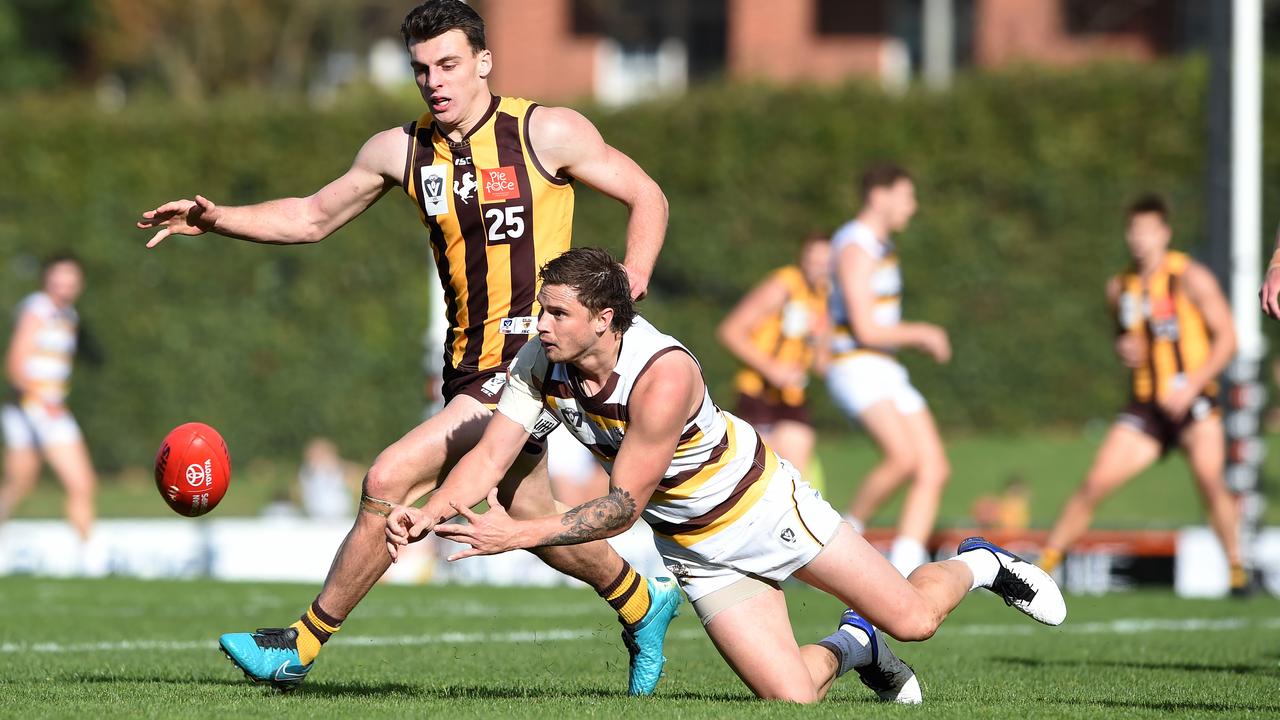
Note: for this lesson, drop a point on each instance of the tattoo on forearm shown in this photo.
(590, 520)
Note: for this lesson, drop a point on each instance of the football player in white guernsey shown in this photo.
(36, 419)
(865, 378)
(730, 518)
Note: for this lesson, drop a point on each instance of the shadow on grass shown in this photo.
(339, 690)
(1235, 669)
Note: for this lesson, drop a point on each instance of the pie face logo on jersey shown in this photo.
(434, 201)
(499, 184)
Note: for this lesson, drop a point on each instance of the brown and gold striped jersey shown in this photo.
(494, 216)
(787, 336)
(1159, 311)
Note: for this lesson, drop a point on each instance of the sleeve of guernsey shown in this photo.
(521, 399)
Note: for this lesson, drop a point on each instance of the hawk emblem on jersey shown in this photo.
(500, 183)
(465, 188)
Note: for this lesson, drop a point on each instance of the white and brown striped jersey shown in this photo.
(886, 286)
(720, 467)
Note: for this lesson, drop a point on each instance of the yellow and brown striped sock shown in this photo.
(315, 627)
(628, 594)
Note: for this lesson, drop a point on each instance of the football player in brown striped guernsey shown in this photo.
(493, 182)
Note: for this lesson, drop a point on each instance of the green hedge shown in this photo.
(1022, 179)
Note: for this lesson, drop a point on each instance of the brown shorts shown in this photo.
(1148, 418)
(485, 386)
(762, 413)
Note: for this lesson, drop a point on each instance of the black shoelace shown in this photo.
(276, 638)
(1011, 587)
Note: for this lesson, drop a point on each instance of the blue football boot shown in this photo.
(269, 655)
(1021, 584)
(891, 678)
(644, 641)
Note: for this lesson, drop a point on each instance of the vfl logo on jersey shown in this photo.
(571, 416)
(500, 184)
(464, 189)
(493, 385)
(787, 536)
(433, 198)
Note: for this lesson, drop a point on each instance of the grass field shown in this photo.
(124, 648)
(1052, 465)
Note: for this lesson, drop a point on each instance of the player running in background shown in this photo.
(36, 419)
(732, 520)
(492, 179)
(778, 331)
(866, 380)
(1175, 333)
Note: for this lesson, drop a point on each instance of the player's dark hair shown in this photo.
(58, 258)
(1149, 203)
(437, 17)
(599, 281)
(884, 175)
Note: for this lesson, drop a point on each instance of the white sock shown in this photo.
(907, 554)
(983, 564)
(855, 523)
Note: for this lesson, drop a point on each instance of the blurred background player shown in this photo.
(778, 332)
(36, 419)
(492, 179)
(866, 380)
(328, 485)
(1175, 333)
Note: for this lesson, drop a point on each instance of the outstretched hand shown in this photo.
(488, 533)
(405, 525)
(180, 217)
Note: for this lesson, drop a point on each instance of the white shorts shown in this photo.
(788, 526)
(32, 426)
(861, 380)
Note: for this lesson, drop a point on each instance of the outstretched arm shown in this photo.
(660, 403)
(734, 332)
(566, 143)
(376, 169)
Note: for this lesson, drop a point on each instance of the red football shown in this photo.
(193, 469)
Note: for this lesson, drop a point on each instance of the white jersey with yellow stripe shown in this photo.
(886, 285)
(48, 367)
(720, 467)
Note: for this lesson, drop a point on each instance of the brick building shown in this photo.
(619, 50)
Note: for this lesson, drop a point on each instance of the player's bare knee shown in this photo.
(901, 463)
